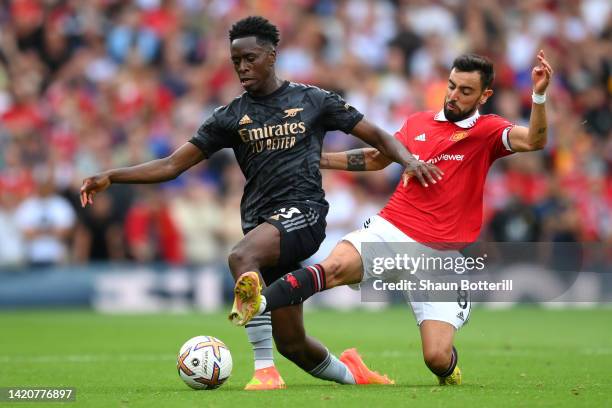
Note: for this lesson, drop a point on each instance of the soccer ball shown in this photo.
(204, 363)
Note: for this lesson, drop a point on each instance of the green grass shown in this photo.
(520, 357)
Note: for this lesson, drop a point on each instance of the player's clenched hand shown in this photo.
(425, 172)
(92, 185)
(540, 75)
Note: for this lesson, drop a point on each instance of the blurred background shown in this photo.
(87, 86)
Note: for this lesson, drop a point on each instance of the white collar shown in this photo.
(465, 123)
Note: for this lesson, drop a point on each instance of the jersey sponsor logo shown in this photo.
(443, 157)
(245, 120)
(290, 113)
(272, 136)
(269, 131)
(446, 157)
(421, 138)
(459, 135)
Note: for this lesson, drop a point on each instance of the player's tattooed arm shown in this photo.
(528, 139)
(355, 160)
(387, 145)
(366, 159)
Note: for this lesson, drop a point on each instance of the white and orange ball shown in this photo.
(204, 363)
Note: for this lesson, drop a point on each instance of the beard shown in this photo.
(457, 114)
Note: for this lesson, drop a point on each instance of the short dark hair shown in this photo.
(475, 62)
(255, 26)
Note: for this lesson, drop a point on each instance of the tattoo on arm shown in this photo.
(355, 160)
(541, 130)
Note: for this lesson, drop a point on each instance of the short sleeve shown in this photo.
(499, 129)
(212, 136)
(339, 115)
(402, 134)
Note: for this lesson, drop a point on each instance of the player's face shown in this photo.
(254, 64)
(464, 95)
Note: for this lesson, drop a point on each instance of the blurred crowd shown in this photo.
(90, 85)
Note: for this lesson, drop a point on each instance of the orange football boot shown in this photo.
(361, 373)
(266, 379)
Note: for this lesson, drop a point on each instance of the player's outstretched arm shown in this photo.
(154, 171)
(524, 139)
(391, 148)
(368, 159)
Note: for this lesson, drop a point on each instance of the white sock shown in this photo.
(332, 369)
(259, 364)
(259, 331)
(262, 305)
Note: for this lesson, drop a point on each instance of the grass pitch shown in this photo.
(521, 357)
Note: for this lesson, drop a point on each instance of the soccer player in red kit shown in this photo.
(463, 144)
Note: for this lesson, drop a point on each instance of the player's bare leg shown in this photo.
(253, 251)
(438, 351)
(345, 266)
(342, 267)
(261, 248)
(293, 343)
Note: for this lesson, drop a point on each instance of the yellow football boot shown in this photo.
(453, 379)
(247, 298)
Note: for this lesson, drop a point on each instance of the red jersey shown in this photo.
(449, 211)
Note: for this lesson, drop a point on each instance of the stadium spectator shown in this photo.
(12, 245)
(200, 227)
(46, 221)
(92, 85)
(98, 235)
(151, 233)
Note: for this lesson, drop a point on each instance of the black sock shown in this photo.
(295, 287)
(453, 364)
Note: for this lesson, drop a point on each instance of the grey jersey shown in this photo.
(277, 140)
